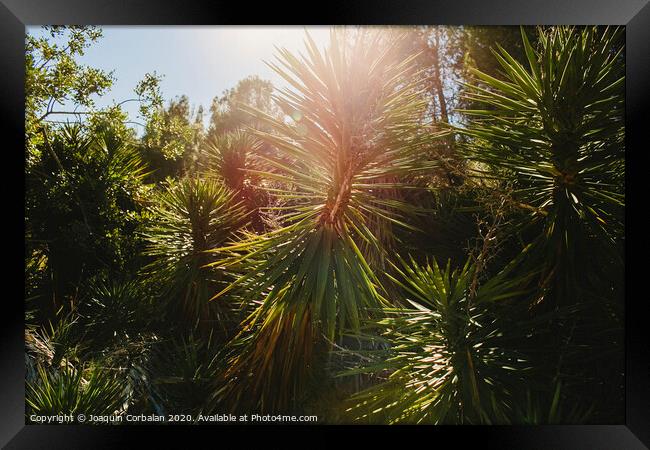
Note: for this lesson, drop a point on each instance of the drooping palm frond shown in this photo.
(449, 358)
(192, 217)
(354, 114)
(555, 129)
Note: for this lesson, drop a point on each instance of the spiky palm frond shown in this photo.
(230, 155)
(449, 359)
(192, 217)
(74, 391)
(556, 130)
(233, 157)
(320, 275)
(124, 162)
(114, 310)
(354, 115)
(181, 374)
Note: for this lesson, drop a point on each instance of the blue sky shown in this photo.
(198, 61)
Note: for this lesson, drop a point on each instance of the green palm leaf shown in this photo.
(354, 114)
(73, 391)
(191, 217)
(555, 130)
(448, 357)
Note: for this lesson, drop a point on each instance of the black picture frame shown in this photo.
(634, 14)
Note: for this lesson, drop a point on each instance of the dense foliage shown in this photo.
(426, 225)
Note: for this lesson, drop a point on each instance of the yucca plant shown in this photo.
(555, 130)
(232, 157)
(192, 216)
(181, 373)
(114, 310)
(448, 358)
(229, 155)
(75, 391)
(550, 141)
(354, 113)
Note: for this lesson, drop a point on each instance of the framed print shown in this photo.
(413, 217)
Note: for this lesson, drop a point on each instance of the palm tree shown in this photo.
(549, 143)
(114, 310)
(448, 358)
(232, 156)
(192, 216)
(354, 110)
(555, 130)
